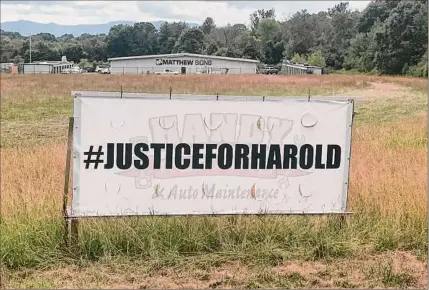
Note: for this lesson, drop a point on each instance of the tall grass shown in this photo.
(388, 185)
(387, 195)
(18, 88)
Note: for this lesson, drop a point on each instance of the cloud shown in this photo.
(95, 12)
(73, 12)
(196, 11)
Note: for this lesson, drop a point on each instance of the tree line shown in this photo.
(387, 37)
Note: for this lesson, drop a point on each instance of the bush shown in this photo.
(317, 59)
(419, 70)
(299, 58)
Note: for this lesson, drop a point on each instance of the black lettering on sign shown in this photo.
(169, 156)
(238, 156)
(289, 157)
(259, 153)
(225, 156)
(110, 161)
(241, 156)
(124, 157)
(160, 61)
(333, 159)
(306, 155)
(143, 161)
(274, 157)
(179, 161)
(210, 155)
(157, 154)
(197, 156)
(319, 152)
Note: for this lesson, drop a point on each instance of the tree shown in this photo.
(43, 51)
(268, 29)
(361, 52)
(65, 37)
(144, 39)
(420, 69)
(18, 59)
(258, 15)
(191, 41)
(273, 51)
(250, 46)
(304, 32)
(119, 41)
(211, 48)
(45, 37)
(269, 35)
(95, 47)
(376, 11)
(208, 26)
(317, 59)
(6, 49)
(343, 23)
(389, 36)
(25, 50)
(297, 58)
(126, 40)
(169, 34)
(403, 40)
(73, 52)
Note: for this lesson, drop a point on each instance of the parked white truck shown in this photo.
(168, 72)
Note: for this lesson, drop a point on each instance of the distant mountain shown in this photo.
(26, 28)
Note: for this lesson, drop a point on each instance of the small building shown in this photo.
(8, 67)
(290, 68)
(315, 70)
(181, 63)
(45, 67)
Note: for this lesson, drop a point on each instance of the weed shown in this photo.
(388, 276)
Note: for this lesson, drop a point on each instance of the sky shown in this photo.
(97, 12)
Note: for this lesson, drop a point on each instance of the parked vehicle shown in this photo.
(75, 70)
(269, 70)
(105, 70)
(168, 72)
(101, 68)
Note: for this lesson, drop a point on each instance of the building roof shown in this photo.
(299, 65)
(54, 63)
(182, 54)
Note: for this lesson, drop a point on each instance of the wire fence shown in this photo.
(180, 70)
(164, 70)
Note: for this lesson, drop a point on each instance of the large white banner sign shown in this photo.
(145, 155)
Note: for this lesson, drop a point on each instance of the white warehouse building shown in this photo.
(46, 67)
(182, 63)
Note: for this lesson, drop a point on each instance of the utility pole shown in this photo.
(30, 47)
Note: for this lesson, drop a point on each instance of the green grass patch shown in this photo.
(36, 110)
(269, 240)
(392, 109)
(407, 142)
(388, 276)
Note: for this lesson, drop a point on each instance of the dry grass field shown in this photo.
(383, 244)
